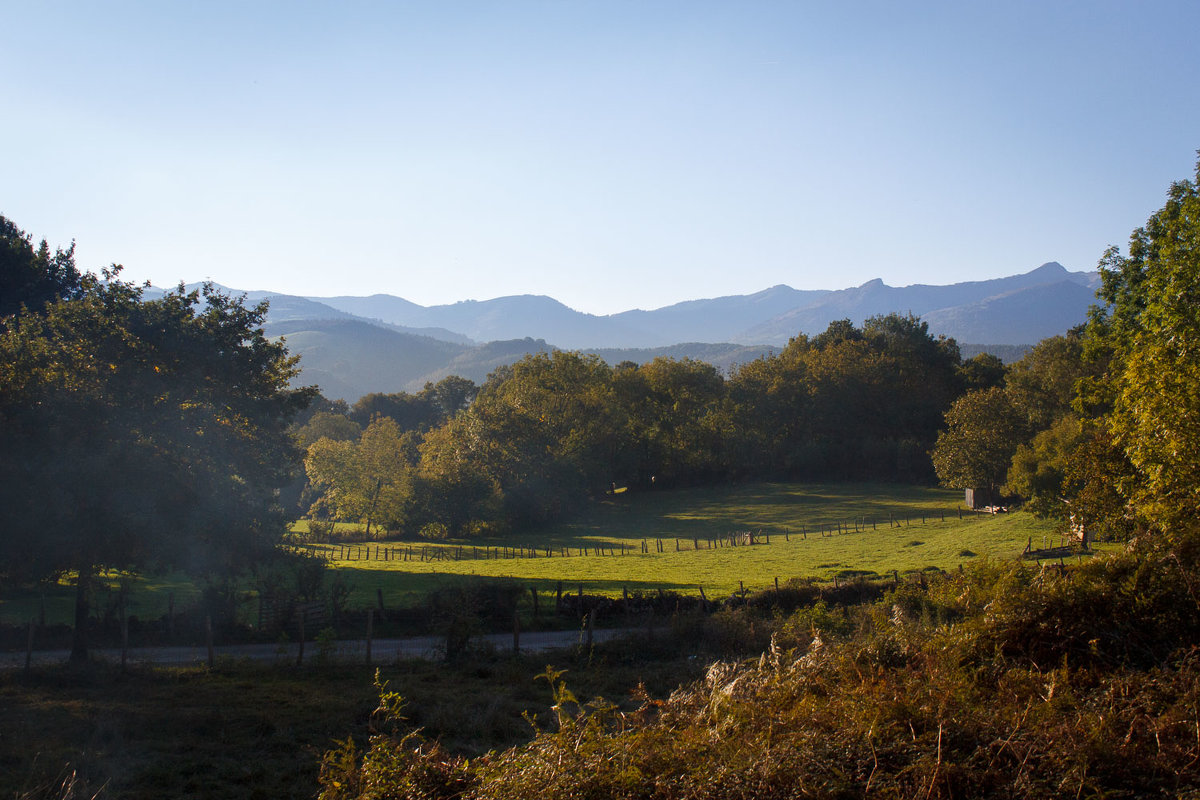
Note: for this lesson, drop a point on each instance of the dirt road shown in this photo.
(382, 650)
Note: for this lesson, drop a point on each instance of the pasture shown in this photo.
(883, 528)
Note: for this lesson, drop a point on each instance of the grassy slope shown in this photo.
(703, 513)
(629, 518)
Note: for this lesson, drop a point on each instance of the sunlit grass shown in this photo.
(900, 528)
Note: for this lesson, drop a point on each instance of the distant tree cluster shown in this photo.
(547, 433)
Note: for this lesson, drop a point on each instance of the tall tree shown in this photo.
(33, 277)
(1152, 325)
(367, 480)
(984, 428)
(138, 434)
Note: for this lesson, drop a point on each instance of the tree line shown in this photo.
(550, 432)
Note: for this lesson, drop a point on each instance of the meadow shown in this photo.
(885, 528)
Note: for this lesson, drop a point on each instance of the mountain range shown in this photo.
(382, 343)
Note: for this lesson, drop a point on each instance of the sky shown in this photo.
(612, 155)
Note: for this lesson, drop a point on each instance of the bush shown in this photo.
(999, 681)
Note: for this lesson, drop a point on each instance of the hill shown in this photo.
(1054, 299)
(1044, 302)
(354, 345)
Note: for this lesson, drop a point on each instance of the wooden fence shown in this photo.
(742, 538)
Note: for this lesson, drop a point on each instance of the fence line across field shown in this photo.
(335, 551)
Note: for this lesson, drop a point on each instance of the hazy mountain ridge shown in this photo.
(771, 316)
(936, 304)
(354, 345)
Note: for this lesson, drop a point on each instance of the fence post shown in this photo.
(300, 653)
(536, 609)
(29, 647)
(379, 599)
(124, 635)
(208, 639)
(591, 621)
(558, 599)
(370, 631)
(516, 634)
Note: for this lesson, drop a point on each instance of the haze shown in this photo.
(613, 155)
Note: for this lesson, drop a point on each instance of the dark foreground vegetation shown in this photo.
(999, 682)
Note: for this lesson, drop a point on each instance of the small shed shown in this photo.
(981, 498)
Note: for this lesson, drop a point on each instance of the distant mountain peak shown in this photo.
(1051, 269)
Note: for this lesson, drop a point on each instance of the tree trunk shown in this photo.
(79, 647)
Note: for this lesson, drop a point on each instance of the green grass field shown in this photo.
(783, 510)
(908, 544)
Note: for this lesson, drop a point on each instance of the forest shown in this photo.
(546, 435)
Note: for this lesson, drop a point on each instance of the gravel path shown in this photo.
(383, 651)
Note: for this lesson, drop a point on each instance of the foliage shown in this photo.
(1001, 681)
(141, 433)
(1038, 470)
(547, 434)
(366, 480)
(982, 371)
(1152, 326)
(327, 425)
(983, 430)
(30, 277)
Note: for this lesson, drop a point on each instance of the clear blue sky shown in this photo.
(610, 154)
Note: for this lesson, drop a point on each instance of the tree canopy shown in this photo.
(1152, 326)
(141, 433)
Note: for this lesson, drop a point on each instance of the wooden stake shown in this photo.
(208, 639)
(300, 653)
(370, 631)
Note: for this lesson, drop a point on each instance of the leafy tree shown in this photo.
(983, 430)
(546, 429)
(427, 409)
(327, 425)
(451, 395)
(678, 418)
(1044, 383)
(771, 402)
(365, 480)
(451, 487)
(412, 412)
(33, 277)
(1153, 381)
(1039, 468)
(138, 434)
(982, 372)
